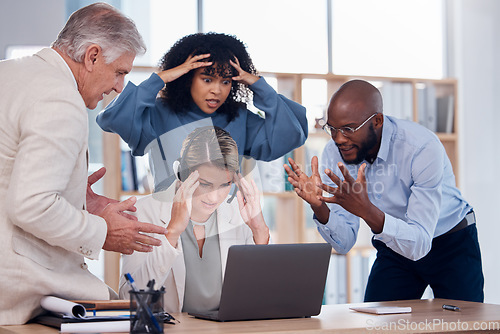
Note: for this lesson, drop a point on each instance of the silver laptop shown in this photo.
(272, 281)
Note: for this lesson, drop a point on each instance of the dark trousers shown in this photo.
(452, 268)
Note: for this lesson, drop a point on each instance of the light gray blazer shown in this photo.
(165, 264)
(45, 233)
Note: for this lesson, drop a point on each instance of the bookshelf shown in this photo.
(431, 102)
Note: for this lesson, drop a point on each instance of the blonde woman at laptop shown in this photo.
(202, 222)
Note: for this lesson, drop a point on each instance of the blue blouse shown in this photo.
(139, 118)
(145, 123)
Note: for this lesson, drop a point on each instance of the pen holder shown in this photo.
(146, 311)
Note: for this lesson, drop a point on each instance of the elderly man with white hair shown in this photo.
(49, 216)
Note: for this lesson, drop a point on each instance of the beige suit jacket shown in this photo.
(165, 264)
(44, 231)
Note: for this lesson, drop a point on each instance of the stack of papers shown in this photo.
(71, 317)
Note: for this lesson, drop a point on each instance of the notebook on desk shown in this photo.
(272, 281)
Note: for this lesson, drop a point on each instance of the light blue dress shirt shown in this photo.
(411, 181)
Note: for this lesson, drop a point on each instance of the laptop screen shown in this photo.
(274, 281)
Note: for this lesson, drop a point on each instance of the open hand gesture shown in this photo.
(305, 186)
(125, 235)
(96, 203)
(352, 195)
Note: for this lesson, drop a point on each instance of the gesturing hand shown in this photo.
(96, 203)
(181, 208)
(251, 210)
(243, 76)
(191, 63)
(305, 186)
(125, 235)
(351, 194)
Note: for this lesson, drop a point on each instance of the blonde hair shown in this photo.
(211, 145)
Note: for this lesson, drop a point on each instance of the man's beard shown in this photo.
(364, 148)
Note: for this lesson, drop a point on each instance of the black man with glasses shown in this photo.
(396, 176)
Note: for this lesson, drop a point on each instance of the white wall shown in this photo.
(477, 56)
(30, 22)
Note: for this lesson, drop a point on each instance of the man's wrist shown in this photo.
(321, 213)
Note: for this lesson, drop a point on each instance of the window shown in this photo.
(400, 38)
(281, 36)
(161, 23)
(18, 51)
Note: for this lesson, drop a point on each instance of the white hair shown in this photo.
(100, 24)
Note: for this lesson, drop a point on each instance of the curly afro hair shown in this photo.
(222, 48)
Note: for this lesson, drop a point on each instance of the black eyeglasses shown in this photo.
(346, 131)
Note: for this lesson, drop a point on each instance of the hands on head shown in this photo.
(248, 201)
(251, 210)
(125, 232)
(195, 62)
(181, 208)
(191, 63)
(243, 76)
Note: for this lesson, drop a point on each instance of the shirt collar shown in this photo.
(53, 57)
(387, 133)
(67, 67)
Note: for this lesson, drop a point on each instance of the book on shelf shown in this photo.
(134, 172)
(398, 99)
(430, 94)
(288, 185)
(128, 171)
(336, 281)
(445, 113)
(435, 112)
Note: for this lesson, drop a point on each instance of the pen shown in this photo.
(451, 307)
(142, 303)
(131, 282)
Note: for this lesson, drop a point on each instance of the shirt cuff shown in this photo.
(153, 82)
(169, 252)
(390, 230)
(323, 228)
(92, 247)
(320, 224)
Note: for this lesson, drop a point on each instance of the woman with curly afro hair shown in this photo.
(204, 79)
